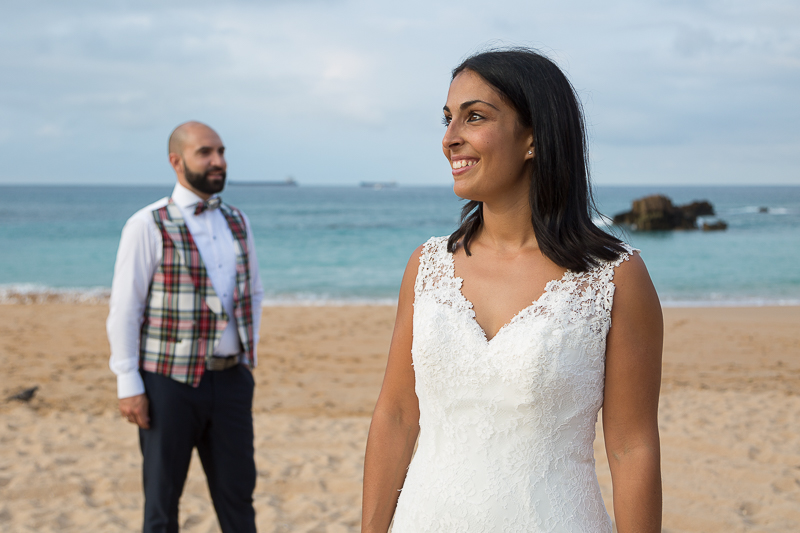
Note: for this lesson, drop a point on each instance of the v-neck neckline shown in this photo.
(459, 283)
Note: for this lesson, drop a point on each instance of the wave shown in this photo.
(29, 293)
(733, 302)
(39, 294)
(602, 220)
(760, 209)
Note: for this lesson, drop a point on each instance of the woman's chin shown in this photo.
(464, 192)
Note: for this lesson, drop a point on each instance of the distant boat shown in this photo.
(288, 182)
(378, 185)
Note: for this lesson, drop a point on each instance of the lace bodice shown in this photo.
(507, 424)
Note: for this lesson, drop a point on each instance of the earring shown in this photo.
(530, 152)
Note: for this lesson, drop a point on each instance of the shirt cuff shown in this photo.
(129, 384)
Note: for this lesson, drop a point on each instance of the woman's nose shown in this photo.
(452, 136)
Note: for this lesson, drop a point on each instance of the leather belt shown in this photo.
(222, 363)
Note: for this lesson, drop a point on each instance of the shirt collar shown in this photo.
(185, 198)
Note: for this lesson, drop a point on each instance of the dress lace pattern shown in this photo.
(507, 424)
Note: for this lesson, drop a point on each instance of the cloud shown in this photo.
(49, 130)
(362, 83)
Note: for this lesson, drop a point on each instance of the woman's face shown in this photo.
(484, 142)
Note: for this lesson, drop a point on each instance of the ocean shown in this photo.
(340, 245)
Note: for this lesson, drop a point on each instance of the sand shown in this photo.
(729, 418)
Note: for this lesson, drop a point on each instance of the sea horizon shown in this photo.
(403, 185)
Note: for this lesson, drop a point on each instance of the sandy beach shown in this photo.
(729, 417)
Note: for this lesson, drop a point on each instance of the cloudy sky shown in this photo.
(336, 92)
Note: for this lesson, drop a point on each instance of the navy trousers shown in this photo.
(217, 419)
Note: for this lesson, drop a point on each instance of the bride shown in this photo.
(514, 331)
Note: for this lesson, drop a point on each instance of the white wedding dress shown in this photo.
(507, 425)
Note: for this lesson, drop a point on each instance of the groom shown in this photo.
(183, 327)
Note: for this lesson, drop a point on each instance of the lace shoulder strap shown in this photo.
(590, 294)
(434, 266)
(624, 256)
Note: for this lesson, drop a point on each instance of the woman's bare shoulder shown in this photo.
(635, 296)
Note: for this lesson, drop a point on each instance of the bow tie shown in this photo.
(210, 204)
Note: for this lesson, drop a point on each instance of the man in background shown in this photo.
(183, 328)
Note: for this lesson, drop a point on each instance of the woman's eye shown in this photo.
(473, 117)
(446, 121)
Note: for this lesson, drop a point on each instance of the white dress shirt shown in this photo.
(140, 253)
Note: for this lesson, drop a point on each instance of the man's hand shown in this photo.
(135, 410)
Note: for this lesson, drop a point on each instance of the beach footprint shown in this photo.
(747, 511)
(788, 482)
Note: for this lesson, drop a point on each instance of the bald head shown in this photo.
(197, 156)
(180, 135)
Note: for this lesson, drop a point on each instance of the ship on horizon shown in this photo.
(378, 185)
(288, 182)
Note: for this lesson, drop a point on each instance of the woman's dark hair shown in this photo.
(560, 195)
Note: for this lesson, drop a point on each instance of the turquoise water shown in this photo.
(350, 244)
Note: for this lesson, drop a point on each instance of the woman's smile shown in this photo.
(462, 165)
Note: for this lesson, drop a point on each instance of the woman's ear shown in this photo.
(531, 150)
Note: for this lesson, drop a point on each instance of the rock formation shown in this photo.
(719, 225)
(657, 213)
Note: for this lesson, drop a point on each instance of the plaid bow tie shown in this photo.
(211, 204)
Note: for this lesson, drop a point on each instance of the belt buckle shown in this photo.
(222, 363)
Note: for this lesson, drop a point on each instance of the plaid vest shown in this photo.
(184, 318)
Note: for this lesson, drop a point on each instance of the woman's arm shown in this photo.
(630, 407)
(395, 421)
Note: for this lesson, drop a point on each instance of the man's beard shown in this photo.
(200, 181)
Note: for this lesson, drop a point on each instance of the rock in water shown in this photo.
(657, 213)
(698, 209)
(654, 213)
(24, 396)
(719, 225)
